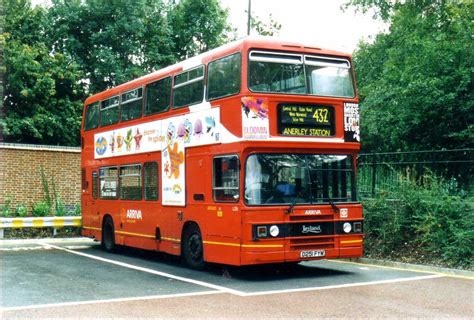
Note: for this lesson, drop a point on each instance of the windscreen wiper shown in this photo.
(333, 205)
(331, 202)
(292, 206)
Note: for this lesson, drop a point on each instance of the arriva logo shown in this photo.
(312, 212)
(311, 229)
(134, 214)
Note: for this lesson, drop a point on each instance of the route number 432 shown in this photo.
(321, 115)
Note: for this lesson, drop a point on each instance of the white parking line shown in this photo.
(44, 247)
(25, 248)
(159, 273)
(77, 303)
(241, 293)
(83, 240)
(348, 285)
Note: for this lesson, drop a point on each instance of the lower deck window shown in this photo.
(95, 185)
(150, 176)
(130, 182)
(108, 182)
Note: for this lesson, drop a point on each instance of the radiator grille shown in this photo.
(310, 243)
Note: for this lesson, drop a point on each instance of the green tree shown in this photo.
(42, 89)
(415, 82)
(112, 41)
(271, 28)
(2, 67)
(197, 26)
(54, 57)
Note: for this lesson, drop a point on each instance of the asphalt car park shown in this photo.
(44, 274)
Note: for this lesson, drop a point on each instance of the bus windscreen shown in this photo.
(276, 179)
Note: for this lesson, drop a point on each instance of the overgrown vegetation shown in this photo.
(421, 222)
(415, 80)
(416, 93)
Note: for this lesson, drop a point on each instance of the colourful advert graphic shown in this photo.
(255, 118)
(172, 159)
(351, 122)
(193, 129)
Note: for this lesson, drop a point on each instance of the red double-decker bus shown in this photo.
(242, 155)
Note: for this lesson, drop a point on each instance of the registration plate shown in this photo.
(312, 253)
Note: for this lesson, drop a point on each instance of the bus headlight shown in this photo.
(347, 227)
(274, 231)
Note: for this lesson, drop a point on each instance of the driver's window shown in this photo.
(225, 187)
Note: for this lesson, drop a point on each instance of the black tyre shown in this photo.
(108, 235)
(192, 248)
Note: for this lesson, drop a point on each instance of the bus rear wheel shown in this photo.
(108, 235)
(193, 250)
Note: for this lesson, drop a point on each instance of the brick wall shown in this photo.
(20, 173)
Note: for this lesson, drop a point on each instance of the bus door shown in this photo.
(270, 188)
(92, 207)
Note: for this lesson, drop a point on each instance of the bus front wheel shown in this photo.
(108, 235)
(193, 250)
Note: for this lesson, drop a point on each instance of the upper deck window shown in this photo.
(158, 96)
(188, 87)
(278, 72)
(109, 113)
(131, 107)
(329, 76)
(92, 116)
(224, 77)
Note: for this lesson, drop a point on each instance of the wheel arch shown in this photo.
(188, 226)
(106, 217)
(185, 227)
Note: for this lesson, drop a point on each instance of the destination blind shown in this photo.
(306, 120)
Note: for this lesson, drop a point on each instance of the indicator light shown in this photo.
(261, 231)
(358, 227)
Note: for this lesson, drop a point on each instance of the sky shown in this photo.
(316, 22)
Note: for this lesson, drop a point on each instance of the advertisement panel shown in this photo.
(173, 186)
(145, 137)
(171, 137)
(255, 119)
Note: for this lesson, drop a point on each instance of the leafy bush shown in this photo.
(41, 209)
(421, 220)
(77, 210)
(60, 209)
(21, 211)
(5, 208)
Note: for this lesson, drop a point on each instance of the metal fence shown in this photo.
(383, 171)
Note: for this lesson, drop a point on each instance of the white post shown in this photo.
(1, 233)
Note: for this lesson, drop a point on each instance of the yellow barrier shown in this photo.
(55, 222)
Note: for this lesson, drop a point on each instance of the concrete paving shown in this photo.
(78, 279)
